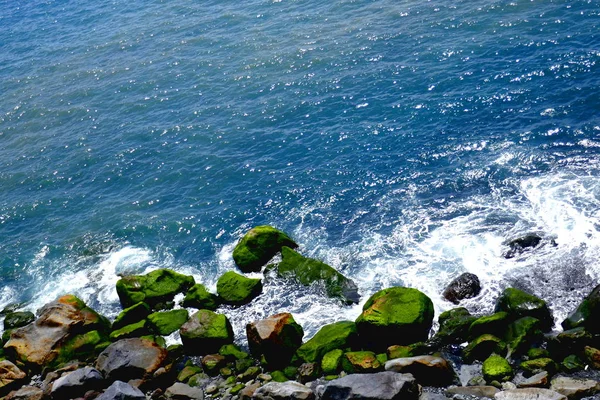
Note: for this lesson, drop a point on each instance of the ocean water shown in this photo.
(401, 142)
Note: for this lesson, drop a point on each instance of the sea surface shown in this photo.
(403, 142)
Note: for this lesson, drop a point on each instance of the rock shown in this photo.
(166, 322)
(575, 388)
(18, 319)
(465, 286)
(522, 334)
(65, 328)
(529, 394)
(428, 370)
(378, 386)
(593, 356)
(137, 329)
(121, 391)
(520, 304)
(496, 368)
(154, 288)
(472, 392)
(181, 391)
(26, 393)
(569, 342)
(10, 376)
(308, 271)
(198, 297)
(131, 315)
(289, 390)
(308, 372)
(397, 315)
(76, 383)
(538, 365)
(538, 380)
(205, 332)
(339, 335)
(398, 351)
(454, 326)
(248, 391)
(276, 337)
(482, 347)
(235, 289)
(536, 352)
(131, 359)
(519, 245)
(572, 363)
(587, 313)
(360, 361)
(494, 324)
(331, 362)
(212, 363)
(187, 372)
(231, 352)
(258, 246)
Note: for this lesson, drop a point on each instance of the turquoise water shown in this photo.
(402, 142)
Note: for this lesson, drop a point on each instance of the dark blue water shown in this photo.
(402, 142)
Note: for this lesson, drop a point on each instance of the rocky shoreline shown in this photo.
(70, 351)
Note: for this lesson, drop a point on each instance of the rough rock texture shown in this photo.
(494, 324)
(454, 326)
(166, 322)
(131, 315)
(339, 335)
(538, 380)
(470, 392)
(519, 245)
(284, 391)
(532, 367)
(529, 394)
(131, 359)
(76, 383)
(379, 386)
(463, 287)
(587, 313)
(181, 391)
(10, 376)
(205, 332)
(121, 391)
(18, 319)
(482, 347)
(522, 333)
(575, 388)
(26, 393)
(520, 304)
(155, 288)
(236, 289)
(258, 246)
(198, 297)
(308, 271)
(397, 315)
(360, 361)
(136, 329)
(428, 370)
(411, 350)
(331, 362)
(276, 337)
(496, 368)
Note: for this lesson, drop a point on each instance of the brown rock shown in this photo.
(128, 359)
(26, 393)
(276, 337)
(10, 375)
(428, 370)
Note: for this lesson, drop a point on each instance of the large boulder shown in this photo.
(308, 271)
(18, 319)
(121, 391)
(523, 333)
(519, 245)
(65, 329)
(134, 358)
(131, 315)
(11, 377)
(378, 386)
(496, 368)
(236, 289)
(463, 287)
(518, 304)
(289, 390)
(276, 338)
(428, 370)
(397, 315)
(339, 335)
(454, 326)
(156, 288)
(258, 246)
(587, 313)
(166, 322)
(74, 384)
(198, 297)
(205, 332)
(495, 324)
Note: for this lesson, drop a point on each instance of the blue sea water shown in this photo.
(403, 142)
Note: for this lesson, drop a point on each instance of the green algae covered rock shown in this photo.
(136, 329)
(454, 326)
(81, 347)
(131, 315)
(536, 352)
(166, 322)
(233, 352)
(522, 334)
(339, 335)
(411, 350)
(205, 332)
(521, 304)
(587, 313)
(538, 365)
(258, 246)
(18, 319)
(360, 362)
(482, 347)
(155, 288)
(572, 363)
(494, 324)
(236, 289)
(198, 297)
(397, 315)
(496, 368)
(331, 362)
(308, 271)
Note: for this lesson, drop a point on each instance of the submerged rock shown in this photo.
(276, 338)
(155, 288)
(205, 332)
(519, 245)
(378, 386)
(236, 289)
(258, 246)
(465, 286)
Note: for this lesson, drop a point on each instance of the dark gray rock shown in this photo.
(181, 391)
(428, 370)
(379, 386)
(464, 287)
(121, 391)
(289, 390)
(76, 383)
(519, 245)
(26, 393)
(131, 359)
(18, 319)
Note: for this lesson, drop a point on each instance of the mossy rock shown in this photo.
(522, 333)
(308, 271)
(187, 372)
(166, 322)
(91, 319)
(537, 352)
(233, 352)
(532, 367)
(159, 340)
(18, 319)
(278, 376)
(235, 289)
(131, 315)
(397, 315)
(331, 362)
(156, 287)
(137, 329)
(520, 304)
(236, 389)
(339, 335)
(572, 363)
(258, 246)
(494, 324)
(205, 332)
(212, 363)
(198, 297)
(592, 356)
(243, 364)
(360, 362)
(411, 350)
(496, 368)
(482, 347)
(6, 335)
(291, 372)
(83, 347)
(587, 314)
(454, 326)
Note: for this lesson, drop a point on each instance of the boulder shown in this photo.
(428, 370)
(65, 328)
(166, 322)
(18, 319)
(378, 386)
(308, 271)
(121, 391)
(137, 329)
(463, 287)
(522, 333)
(11, 377)
(496, 368)
(235, 289)
(397, 315)
(575, 388)
(198, 297)
(538, 380)
(258, 246)
(592, 356)
(232, 352)
(205, 332)
(75, 384)
(587, 313)
(181, 391)
(454, 326)
(520, 304)
(360, 361)
(155, 288)
(276, 338)
(482, 347)
(212, 363)
(289, 390)
(571, 341)
(411, 350)
(131, 315)
(339, 335)
(331, 362)
(494, 324)
(532, 367)
(519, 245)
(26, 393)
(529, 394)
(572, 363)
(471, 392)
(134, 358)
(308, 372)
